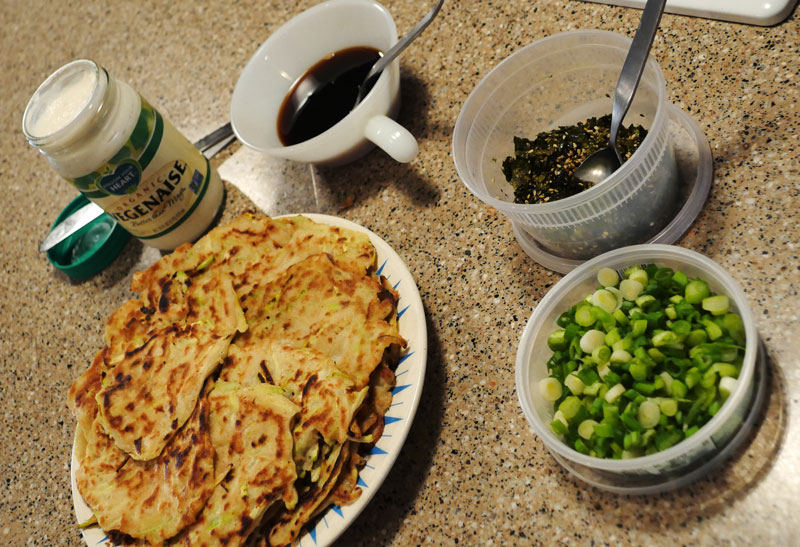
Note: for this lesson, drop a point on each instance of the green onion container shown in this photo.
(683, 462)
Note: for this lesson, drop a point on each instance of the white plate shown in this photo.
(751, 12)
(410, 375)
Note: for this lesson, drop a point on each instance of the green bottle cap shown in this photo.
(91, 248)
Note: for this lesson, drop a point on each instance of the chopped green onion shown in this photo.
(620, 317)
(631, 422)
(668, 407)
(648, 415)
(665, 439)
(613, 336)
(581, 447)
(614, 393)
(630, 289)
(588, 375)
(570, 406)
(618, 295)
(626, 343)
(640, 364)
(712, 329)
(717, 305)
(678, 389)
(640, 276)
(696, 290)
(586, 428)
(591, 340)
(681, 327)
(692, 378)
(206, 263)
(604, 430)
(583, 316)
(733, 323)
(550, 389)
(612, 378)
(638, 327)
(620, 356)
(635, 312)
(607, 277)
(656, 355)
(592, 389)
(638, 371)
(601, 354)
(727, 385)
(605, 300)
(559, 427)
(645, 301)
(557, 340)
(575, 384)
(725, 369)
(665, 338)
(680, 278)
(696, 337)
(668, 381)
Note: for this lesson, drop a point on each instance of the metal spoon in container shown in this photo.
(394, 51)
(605, 161)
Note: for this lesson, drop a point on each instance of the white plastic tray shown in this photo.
(752, 12)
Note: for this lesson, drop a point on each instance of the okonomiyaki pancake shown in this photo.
(352, 251)
(150, 500)
(368, 420)
(327, 397)
(255, 249)
(248, 234)
(153, 390)
(347, 317)
(203, 297)
(346, 489)
(251, 430)
(81, 396)
(286, 527)
(149, 394)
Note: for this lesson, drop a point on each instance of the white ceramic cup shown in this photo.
(289, 53)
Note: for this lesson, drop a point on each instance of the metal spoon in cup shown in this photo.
(605, 161)
(394, 51)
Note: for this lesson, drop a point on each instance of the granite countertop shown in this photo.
(472, 471)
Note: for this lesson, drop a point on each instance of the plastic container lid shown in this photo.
(683, 462)
(91, 248)
(695, 171)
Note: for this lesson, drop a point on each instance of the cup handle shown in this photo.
(392, 137)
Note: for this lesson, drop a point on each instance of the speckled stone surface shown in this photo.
(472, 471)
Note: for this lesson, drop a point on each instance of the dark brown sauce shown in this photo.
(324, 95)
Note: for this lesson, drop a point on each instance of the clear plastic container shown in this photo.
(681, 463)
(695, 173)
(562, 80)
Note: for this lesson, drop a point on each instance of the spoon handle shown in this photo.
(634, 66)
(397, 48)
